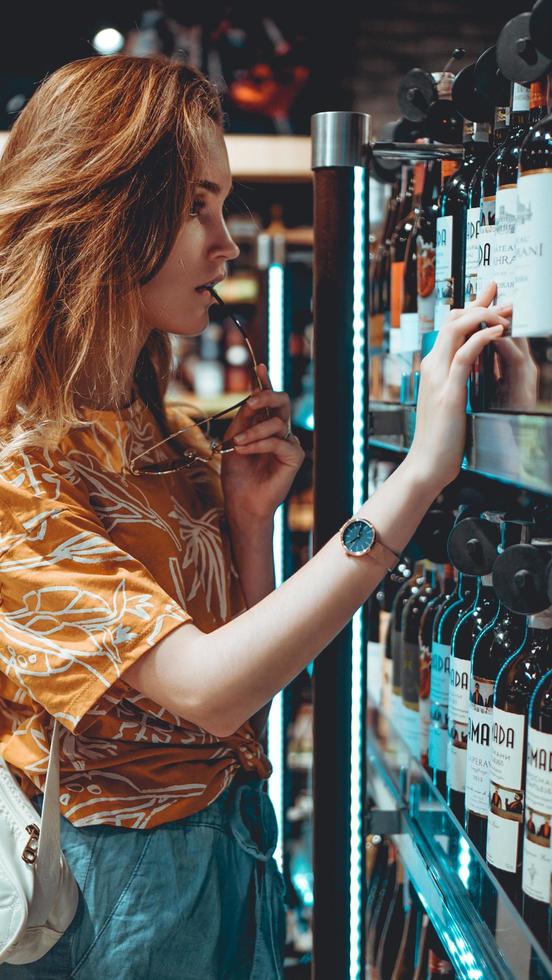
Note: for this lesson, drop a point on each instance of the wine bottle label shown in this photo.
(444, 285)
(438, 732)
(410, 334)
(458, 724)
(485, 243)
(410, 719)
(521, 98)
(425, 704)
(532, 309)
(478, 760)
(425, 275)
(506, 790)
(473, 221)
(538, 816)
(397, 292)
(505, 243)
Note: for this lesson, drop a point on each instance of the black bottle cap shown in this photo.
(540, 26)
(466, 98)
(489, 80)
(516, 53)
(473, 545)
(417, 90)
(520, 578)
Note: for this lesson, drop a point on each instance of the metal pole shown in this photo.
(339, 144)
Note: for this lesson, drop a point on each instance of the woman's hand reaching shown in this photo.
(439, 440)
(257, 477)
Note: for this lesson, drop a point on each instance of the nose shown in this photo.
(225, 247)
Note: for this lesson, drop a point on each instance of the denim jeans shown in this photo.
(196, 899)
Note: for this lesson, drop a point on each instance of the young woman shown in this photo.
(139, 609)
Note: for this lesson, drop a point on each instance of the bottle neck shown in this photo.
(519, 116)
(541, 622)
(501, 124)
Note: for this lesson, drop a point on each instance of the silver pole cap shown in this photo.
(339, 139)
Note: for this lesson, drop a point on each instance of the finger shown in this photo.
(454, 333)
(465, 358)
(264, 377)
(283, 449)
(273, 427)
(278, 401)
(486, 296)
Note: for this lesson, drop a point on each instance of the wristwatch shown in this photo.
(359, 537)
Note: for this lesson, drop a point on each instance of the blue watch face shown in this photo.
(358, 536)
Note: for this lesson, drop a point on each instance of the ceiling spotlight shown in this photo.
(108, 41)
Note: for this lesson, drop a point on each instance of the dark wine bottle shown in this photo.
(391, 586)
(443, 628)
(399, 239)
(406, 956)
(471, 237)
(403, 595)
(481, 613)
(538, 810)
(380, 271)
(451, 225)
(379, 907)
(393, 929)
(408, 299)
(515, 684)
(532, 314)
(506, 197)
(410, 672)
(377, 856)
(423, 241)
(487, 197)
(494, 645)
(425, 635)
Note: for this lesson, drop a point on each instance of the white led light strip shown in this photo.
(359, 462)
(275, 720)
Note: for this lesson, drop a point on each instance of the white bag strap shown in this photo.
(48, 864)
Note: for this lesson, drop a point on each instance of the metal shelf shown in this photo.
(416, 151)
(516, 449)
(483, 933)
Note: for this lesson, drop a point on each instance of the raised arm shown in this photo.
(220, 679)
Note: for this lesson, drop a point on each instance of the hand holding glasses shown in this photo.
(217, 448)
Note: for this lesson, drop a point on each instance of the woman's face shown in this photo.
(173, 299)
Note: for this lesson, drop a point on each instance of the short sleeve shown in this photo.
(75, 609)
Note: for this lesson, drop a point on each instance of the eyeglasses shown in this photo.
(217, 448)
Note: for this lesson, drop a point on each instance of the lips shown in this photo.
(209, 285)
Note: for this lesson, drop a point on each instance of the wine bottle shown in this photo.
(379, 271)
(377, 856)
(379, 907)
(391, 586)
(399, 239)
(532, 314)
(423, 950)
(423, 241)
(506, 197)
(451, 224)
(473, 223)
(408, 321)
(480, 614)
(406, 956)
(515, 684)
(425, 634)
(410, 671)
(494, 645)
(489, 179)
(393, 928)
(403, 595)
(538, 809)
(443, 628)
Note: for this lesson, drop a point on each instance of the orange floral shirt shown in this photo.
(96, 567)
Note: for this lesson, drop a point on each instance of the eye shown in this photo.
(197, 206)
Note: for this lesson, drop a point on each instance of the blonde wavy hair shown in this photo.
(94, 179)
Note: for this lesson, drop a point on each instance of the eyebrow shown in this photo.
(209, 185)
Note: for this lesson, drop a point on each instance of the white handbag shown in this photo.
(38, 893)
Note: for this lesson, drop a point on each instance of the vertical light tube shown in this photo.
(275, 719)
(359, 464)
